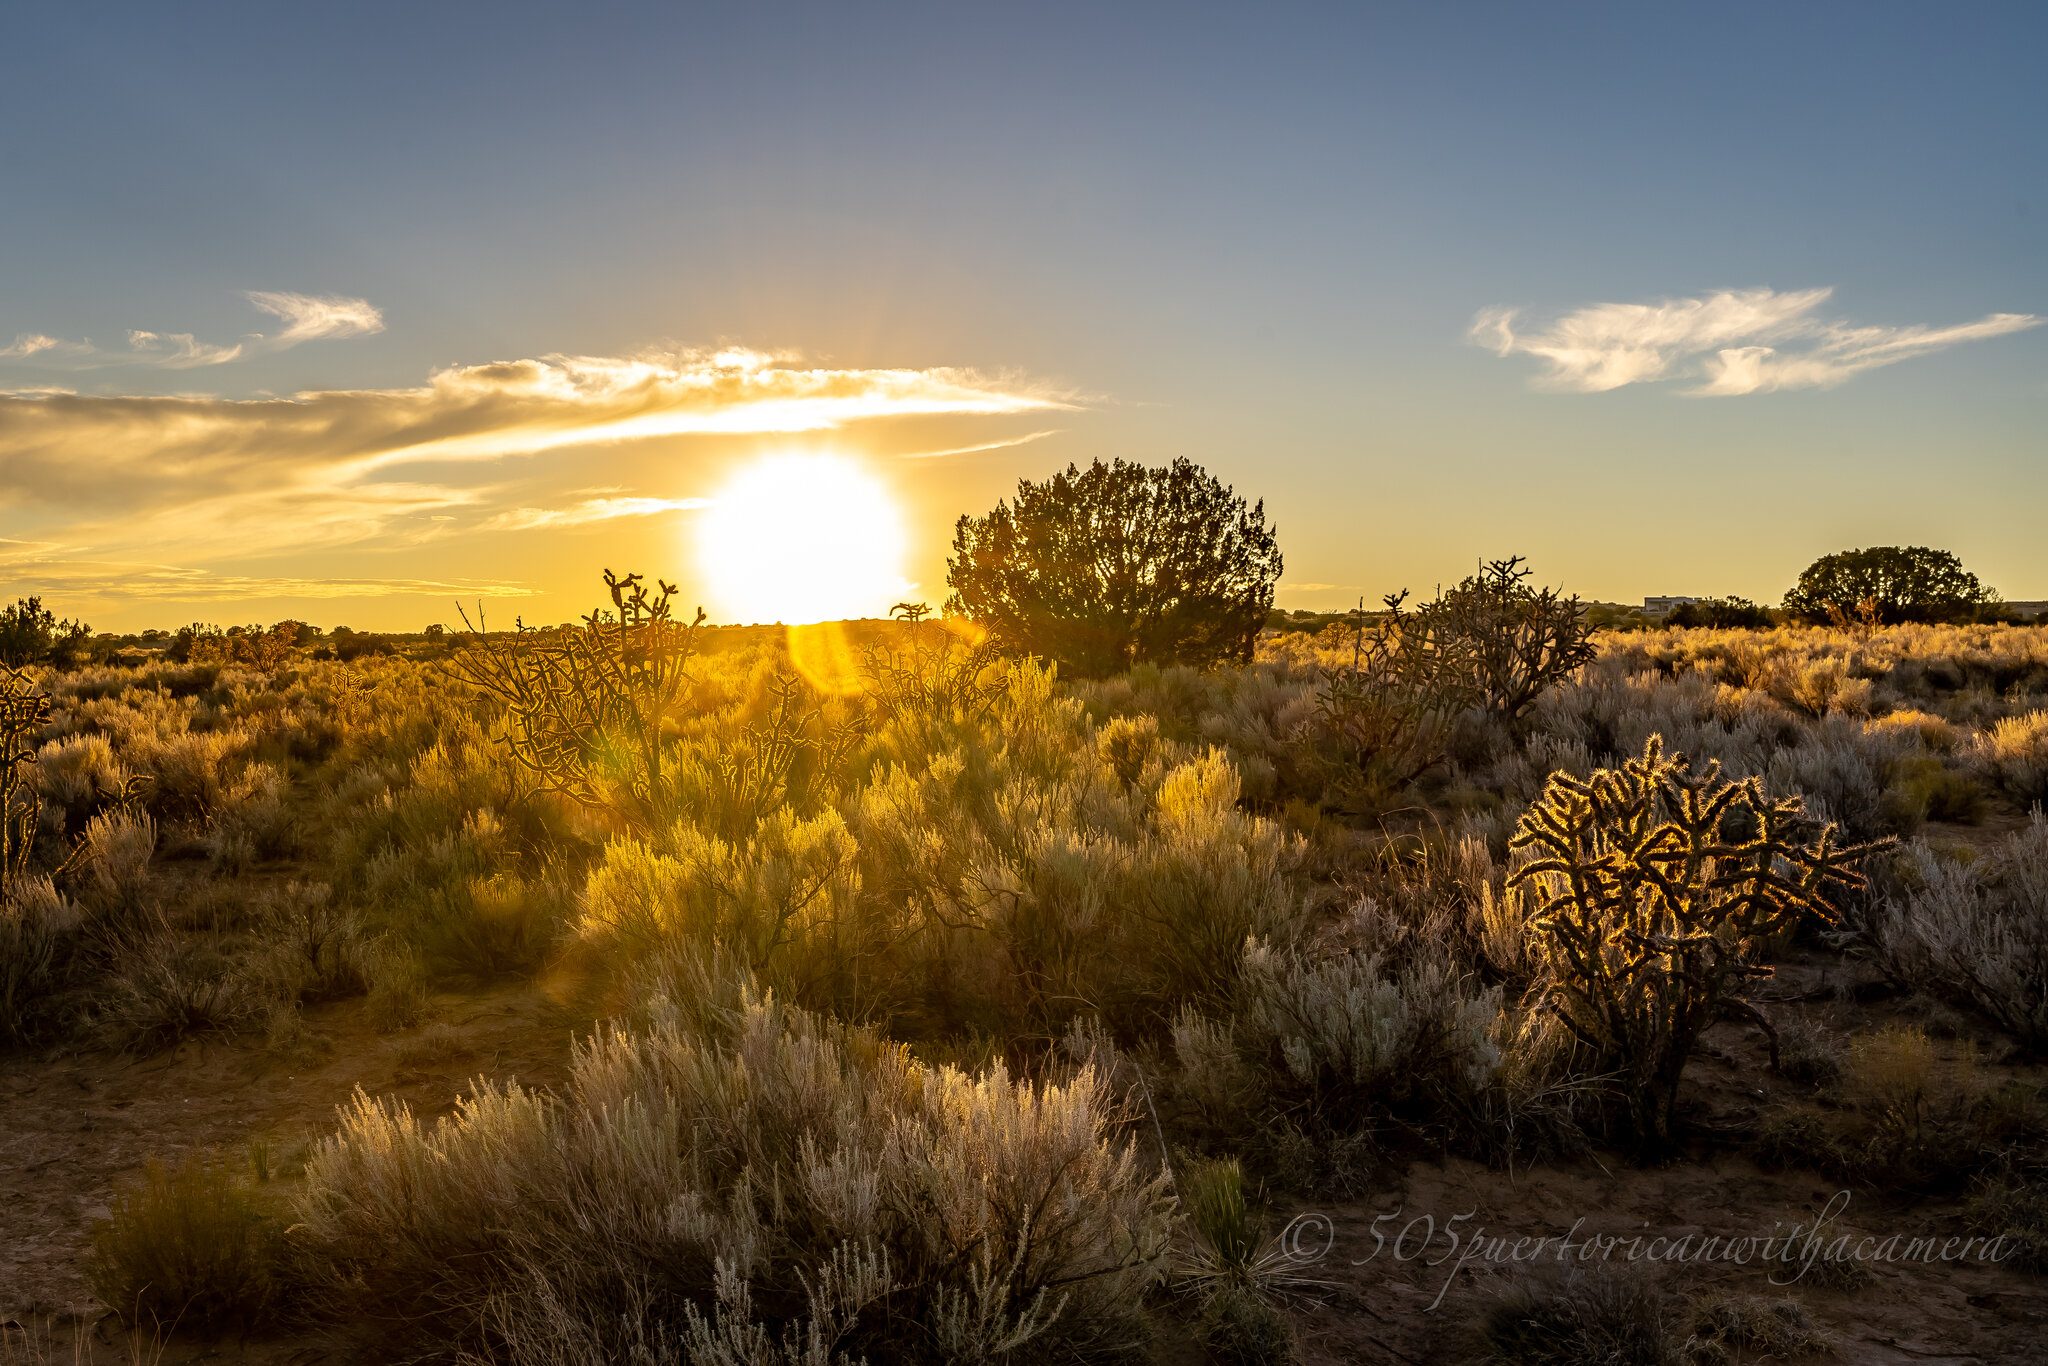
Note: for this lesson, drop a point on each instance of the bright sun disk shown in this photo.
(802, 538)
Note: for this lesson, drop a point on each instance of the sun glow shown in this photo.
(802, 538)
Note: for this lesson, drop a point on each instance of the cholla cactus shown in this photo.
(590, 708)
(1658, 888)
(24, 708)
(948, 673)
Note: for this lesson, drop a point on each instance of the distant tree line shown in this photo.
(1122, 564)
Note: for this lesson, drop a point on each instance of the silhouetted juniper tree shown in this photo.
(1888, 584)
(1119, 564)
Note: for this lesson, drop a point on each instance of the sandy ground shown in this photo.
(74, 1126)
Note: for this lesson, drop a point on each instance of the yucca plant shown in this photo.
(1659, 887)
(1241, 1272)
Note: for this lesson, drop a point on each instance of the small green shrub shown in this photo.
(1239, 1272)
(1923, 788)
(1240, 1328)
(2013, 1204)
(1731, 1328)
(1608, 1317)
(188, 1247)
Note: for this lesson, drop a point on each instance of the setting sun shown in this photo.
(802, 538)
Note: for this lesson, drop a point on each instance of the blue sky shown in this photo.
(1259, 236)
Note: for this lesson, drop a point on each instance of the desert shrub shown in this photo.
(590, 710)
(1727, 1328)
(79, 775)
(1118, 564)
(1824, 687)
(1515, 640)
(493, 926)
(190, 1247)
(793, 880)
(700, 1174)
(253, 821)
(1659, 889)
(1492, 645)
(1790, 1137)
(38, 933)
(1923, 788)
(436, 867)
(1974, 933)
(1356, 1037)
(2013, 1204)
(1925, 1115)
(1325, 1056)
(399, 995)
(311, 948)
(743, 773)
(163, 988)
(1387, 717)
(1808, 1053)
(1934, 732)
(257, 647)
(112, 861)
(1613, 1318)
(2016, 752)
(1898, 1080)
(192, 772)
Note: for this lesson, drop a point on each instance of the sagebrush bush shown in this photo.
(163, 988)
(38, 934)
(78, 774)
(191, 1247)
(2016, 751)
(1355, 1036)
(2013, 1204)
(114, 861)
(706, 1173)
(1974, 932)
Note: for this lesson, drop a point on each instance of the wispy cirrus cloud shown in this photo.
(603, 506)
(1728, 343)
(204, 480)
(114, 450)
(38, 344)
(312, 317)
(1002, 445)
(306, 317)
(180, 350)
(51, 568)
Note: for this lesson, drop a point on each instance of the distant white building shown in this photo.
(1657, 607)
